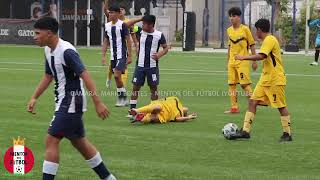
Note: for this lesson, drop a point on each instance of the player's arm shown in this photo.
(228, 57)
(253, 52)
(131, 22)
(251, 42)
(101, 109)
(265, 50)
(104, 49)
(129, 47)
(105, 9)
(257, 57)
(135, 41)
(184, 119)
(73, 61)
(165, 49)
(43, 85)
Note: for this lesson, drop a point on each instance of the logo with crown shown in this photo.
(19, 141)
(18, 159)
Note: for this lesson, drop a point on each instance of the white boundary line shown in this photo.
(182, 72)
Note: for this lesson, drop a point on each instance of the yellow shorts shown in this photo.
(239, 74)
(270, 95)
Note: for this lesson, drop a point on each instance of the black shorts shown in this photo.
(119, 64)
(140, 74)
(68, 125)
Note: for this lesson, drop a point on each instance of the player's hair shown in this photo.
(263, 25)
(47, 23)
(122, 5)
(149, 19)
(114, 8)
(234, 11)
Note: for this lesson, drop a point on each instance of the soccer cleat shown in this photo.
(119, 103)
(285, 137)
(137, 118)
(125, 101)
(108, 84)
(232, 111)
(314, 63)
(240, 135)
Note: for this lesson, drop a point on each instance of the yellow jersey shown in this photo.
(272, 73)
(171, 108)
(240, 40)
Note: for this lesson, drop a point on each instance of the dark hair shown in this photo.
(149, 19)
(114, 8)
(47, 23)
(122, 5)
(234, 11)
(263, 25)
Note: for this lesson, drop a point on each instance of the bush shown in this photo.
(284, 23)
(179, 35)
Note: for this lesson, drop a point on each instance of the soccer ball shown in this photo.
(229, 129)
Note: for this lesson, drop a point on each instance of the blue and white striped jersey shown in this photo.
(116, 34)
(149, 44)
(64, 64)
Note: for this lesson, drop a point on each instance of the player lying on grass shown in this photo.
(271, 87)
(165, 110)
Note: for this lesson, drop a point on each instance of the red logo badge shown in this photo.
(18, 160)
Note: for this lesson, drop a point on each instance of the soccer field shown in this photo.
(174, 151)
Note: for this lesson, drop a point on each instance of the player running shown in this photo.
(316, 23)
(271, 86)
(161, 111)
(240, 39)
(63, 65)
(148, 59)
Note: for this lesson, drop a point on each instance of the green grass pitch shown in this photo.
(175, 151)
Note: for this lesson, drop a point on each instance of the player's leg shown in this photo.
(56, 131)
(147, 118)
(146, 114)
(153, 82)
(137, 81)
(316, 55)
(118, 70)
(134, 96)
(51, 160)
(76, 135)
(92, 157)
(257, 97)
(124, 77)
(248, 89)
(233, 79)
(154, 92)
(286, 124)
(109, 76)
(277, 93)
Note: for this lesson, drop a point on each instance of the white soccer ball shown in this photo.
(229, 129)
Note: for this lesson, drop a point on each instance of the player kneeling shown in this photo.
(165, 110)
